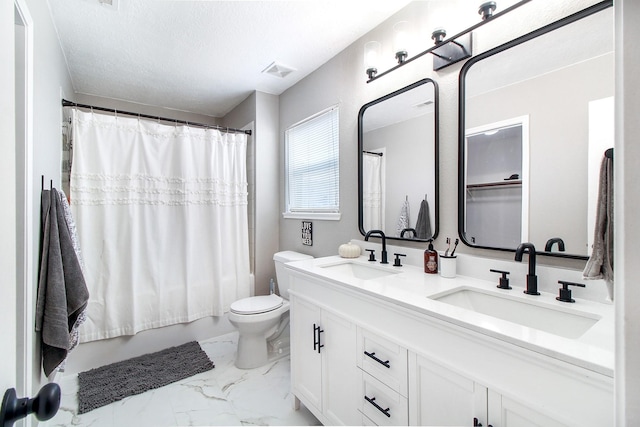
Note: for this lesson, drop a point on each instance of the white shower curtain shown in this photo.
(372, 195)
(161, 213)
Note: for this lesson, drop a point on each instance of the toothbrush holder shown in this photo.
(448, 266)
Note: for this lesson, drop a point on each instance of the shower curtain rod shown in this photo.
(66, 103)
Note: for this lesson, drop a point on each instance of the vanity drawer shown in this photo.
(383, 359)
(382, 405)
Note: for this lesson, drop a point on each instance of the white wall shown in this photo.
(627, 201)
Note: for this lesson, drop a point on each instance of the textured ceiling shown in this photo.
(204, 56)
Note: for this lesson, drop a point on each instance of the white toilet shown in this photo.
(263, 321)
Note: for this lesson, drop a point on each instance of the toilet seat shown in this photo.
(256, 305)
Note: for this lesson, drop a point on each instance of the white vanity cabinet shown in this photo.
(323, 367)
(439, 372)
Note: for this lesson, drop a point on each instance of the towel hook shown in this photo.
(609, 153)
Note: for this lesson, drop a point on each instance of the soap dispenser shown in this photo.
(430, 259)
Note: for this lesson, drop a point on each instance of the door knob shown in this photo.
(44, 406)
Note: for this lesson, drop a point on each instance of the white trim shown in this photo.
(313, 116)
(326, 216)
(25, 330)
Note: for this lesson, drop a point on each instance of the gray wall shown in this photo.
(342, 81)
(262, 108)
(117, 104)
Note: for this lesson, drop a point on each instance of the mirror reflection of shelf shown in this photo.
(487, 185)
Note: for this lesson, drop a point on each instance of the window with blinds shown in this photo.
(312, 167)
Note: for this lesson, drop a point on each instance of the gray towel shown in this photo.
(62, 292)
(74, 335)
(600, 264)
(423, 224)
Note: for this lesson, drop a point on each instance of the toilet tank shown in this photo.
(280, 258)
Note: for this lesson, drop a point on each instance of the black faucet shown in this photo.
(384, 243)
(550, 242)
(532, 279)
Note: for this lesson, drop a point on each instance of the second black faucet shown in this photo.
(532, 279)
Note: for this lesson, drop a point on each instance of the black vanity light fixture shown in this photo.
(446, 51)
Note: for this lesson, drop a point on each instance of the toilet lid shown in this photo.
(255, 305)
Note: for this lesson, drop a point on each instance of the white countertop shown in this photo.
(411, 288)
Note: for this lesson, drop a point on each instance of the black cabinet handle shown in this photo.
(378, 407)
(477, 423)
(316, 338)
(372, 355)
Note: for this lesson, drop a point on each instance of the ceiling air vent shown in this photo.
(277, 69)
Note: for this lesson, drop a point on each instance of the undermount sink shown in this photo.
(359, 271)
(567, 323)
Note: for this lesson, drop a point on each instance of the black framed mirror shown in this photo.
(535, 118)
(398, 163)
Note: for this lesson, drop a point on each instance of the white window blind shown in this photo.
(313, 164)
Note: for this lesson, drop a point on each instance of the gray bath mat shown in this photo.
(101, 386)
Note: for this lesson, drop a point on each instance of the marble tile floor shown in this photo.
(224, 395)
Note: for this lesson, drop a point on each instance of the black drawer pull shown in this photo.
(378, 407)
(373, 356)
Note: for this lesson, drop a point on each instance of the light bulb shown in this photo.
(401, 40)
(371, 57)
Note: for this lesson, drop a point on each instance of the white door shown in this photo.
(441, 397)
(16, 229)
(306, 359)
(505, 412)
(339, 369)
